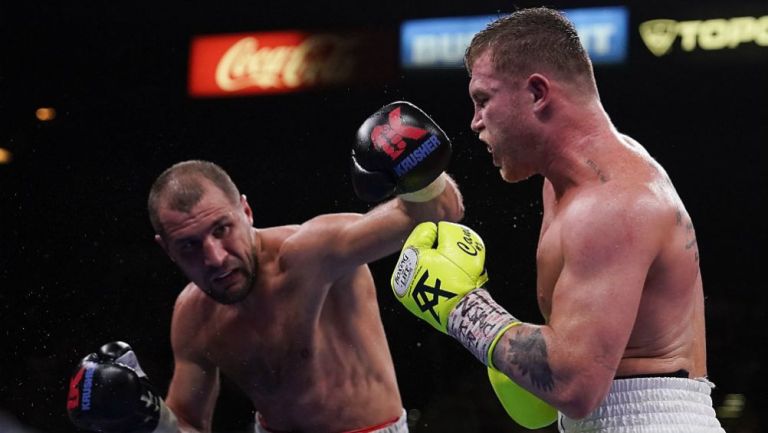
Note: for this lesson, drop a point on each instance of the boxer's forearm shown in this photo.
(536, 360)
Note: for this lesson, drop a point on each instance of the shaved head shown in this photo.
(181, 186)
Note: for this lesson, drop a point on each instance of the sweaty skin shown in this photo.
(664, 304)
(618, 279)
(303, 338)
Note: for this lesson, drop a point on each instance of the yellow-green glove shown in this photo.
(439, 264)
(523, 407)
(439, 278)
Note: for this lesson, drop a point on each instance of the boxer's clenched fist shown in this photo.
(109, 392)
(399, 150)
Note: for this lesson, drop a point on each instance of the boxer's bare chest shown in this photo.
(267, 350)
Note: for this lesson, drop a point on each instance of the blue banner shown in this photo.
(441, 42)
(603, 32)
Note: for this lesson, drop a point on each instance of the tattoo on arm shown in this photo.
(690, 241)
(529, 354)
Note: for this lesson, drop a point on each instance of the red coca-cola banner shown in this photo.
(280, 62)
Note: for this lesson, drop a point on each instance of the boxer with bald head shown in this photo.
(288, 313)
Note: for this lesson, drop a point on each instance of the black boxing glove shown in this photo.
(109, 392)
(399, 150)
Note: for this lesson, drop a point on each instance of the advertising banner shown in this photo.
(288, 61)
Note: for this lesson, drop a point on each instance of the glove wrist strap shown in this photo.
(427, 193)
(477, 321)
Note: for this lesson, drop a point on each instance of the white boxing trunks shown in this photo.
(399, 425)
(651, 405)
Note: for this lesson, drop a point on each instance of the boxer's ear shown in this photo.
(246, 208)
(539, 88)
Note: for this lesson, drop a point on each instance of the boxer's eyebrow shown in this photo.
(220, 221)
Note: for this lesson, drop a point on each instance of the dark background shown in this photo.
(78, 266)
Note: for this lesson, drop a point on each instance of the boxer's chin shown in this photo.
(232, 289)
(514, 175)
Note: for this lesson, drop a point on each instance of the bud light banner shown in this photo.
(441, 42)
(281, 62)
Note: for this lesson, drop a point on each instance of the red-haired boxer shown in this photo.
(618, 280)
(289, 313)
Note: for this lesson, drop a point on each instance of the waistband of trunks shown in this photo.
(651, 404)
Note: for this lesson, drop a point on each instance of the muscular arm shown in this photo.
(383, 230)
(195, 384)
(608, 247)
(350, 240)
(192, 395)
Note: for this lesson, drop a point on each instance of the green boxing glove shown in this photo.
(523, 407)
(439, 278)
(426, 269)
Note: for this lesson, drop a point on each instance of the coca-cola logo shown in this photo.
(288, 61)
(317, 60)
